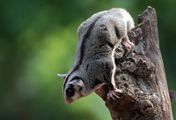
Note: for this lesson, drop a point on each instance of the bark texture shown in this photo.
(141, 76)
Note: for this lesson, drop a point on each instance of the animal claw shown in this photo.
(113, 94)
(127, 43)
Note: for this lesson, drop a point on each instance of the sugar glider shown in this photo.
(94, 66)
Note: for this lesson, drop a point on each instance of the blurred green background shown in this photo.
(38, 40)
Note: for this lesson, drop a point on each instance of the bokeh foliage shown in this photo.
(38, 39)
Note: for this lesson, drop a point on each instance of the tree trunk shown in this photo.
(141, 77)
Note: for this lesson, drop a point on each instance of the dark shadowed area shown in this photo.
(38, 39)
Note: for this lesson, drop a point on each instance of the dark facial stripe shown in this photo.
(82, 48)
(77, 78)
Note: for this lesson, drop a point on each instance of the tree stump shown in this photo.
(141, 76)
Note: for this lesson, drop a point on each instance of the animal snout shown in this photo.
(70, 92)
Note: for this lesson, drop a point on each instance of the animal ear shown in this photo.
(80, 83)
(62, 75)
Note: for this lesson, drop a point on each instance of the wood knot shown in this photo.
(118, 51)
(135, 35)
(145, 68)
(147, 107)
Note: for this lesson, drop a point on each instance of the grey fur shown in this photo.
(94, 60)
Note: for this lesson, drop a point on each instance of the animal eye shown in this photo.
(70, 92)
(80, 88)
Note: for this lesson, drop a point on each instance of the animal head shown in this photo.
(74, 87)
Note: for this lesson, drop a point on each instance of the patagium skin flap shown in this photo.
(94, 62)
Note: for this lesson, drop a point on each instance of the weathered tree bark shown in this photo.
(141, 76)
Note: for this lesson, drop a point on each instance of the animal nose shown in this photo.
(70, 92)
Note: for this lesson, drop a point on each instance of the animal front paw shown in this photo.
(114, 94)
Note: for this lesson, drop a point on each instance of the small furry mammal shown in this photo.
(94, 65)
